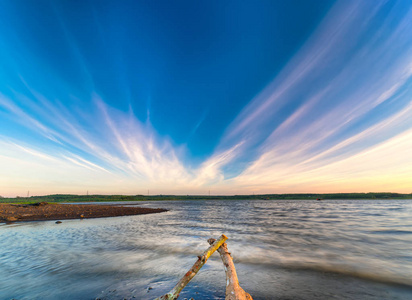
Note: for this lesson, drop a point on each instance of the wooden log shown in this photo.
(201, 260)
(233, 289)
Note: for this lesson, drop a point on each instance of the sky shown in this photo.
(192, 97)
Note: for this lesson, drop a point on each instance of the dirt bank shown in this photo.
(52, 211)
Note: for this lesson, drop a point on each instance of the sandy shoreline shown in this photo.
(52, 211)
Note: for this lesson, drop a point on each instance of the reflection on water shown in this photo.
(282, 250)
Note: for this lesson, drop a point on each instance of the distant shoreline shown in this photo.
(67, 198)
(44, 211)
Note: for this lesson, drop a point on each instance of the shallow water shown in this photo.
(345, 249)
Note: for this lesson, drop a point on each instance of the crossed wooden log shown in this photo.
(233, 289)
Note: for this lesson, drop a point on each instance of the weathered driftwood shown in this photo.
(233, 289)
(201, 260)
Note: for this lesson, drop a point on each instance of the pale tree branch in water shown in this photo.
(233, 289)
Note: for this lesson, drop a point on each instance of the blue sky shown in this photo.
(119, 97)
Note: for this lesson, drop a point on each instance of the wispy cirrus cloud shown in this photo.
(337, 115)
(382, 167)
(107, 151)
(348, 89)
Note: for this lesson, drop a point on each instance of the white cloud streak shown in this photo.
(347, 72)
(116, 152)
(337, 117)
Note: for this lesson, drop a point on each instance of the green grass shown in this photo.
(111, 198)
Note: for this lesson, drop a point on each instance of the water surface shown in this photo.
(342, 249)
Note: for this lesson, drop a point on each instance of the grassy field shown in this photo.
(105, 198)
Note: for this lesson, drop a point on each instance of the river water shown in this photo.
(342, 249)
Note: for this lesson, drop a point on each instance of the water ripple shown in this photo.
(294, 249)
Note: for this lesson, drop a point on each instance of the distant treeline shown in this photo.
(100, 198)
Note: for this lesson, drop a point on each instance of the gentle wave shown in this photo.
(372, 275)
(392, 232)
(282, 243)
